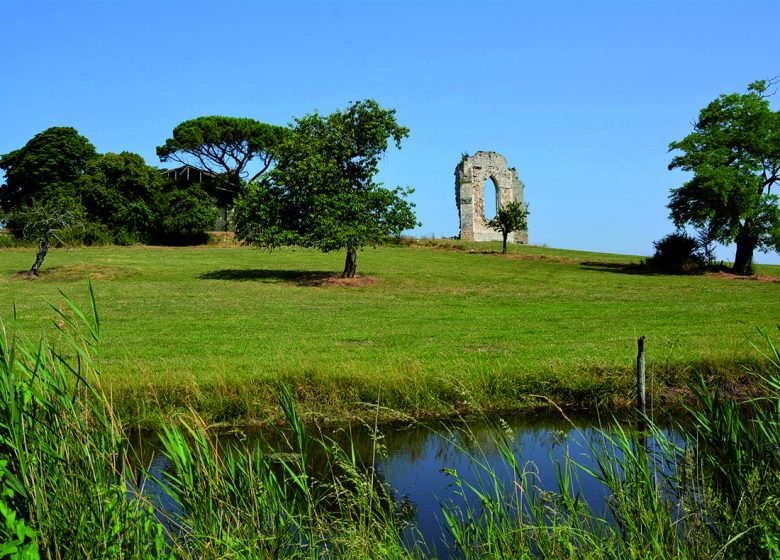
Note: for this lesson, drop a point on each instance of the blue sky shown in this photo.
(582, 98)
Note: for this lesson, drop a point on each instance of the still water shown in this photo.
(413, 461)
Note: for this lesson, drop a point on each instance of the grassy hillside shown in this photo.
(434, 329)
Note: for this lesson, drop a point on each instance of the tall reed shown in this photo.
(711, 492)
(309, 499)
(70, 487)
(69, 483)
(64, 460)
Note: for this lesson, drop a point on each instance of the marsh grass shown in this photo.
(64, 454)
(710, 492)
(293, 501)
(70, 488)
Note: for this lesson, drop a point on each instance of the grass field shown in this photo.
(428, 329)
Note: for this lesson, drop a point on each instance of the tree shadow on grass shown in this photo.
(618, 268)
(298, 277)
(713, 270)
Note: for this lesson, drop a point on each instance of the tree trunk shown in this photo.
(43, 248)
(350, 266)
(505, 234)
(743, 261)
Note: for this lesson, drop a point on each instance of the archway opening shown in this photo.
(490, 198)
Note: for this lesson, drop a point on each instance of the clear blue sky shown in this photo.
(582, 98)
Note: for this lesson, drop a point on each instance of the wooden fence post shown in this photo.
(640, 375)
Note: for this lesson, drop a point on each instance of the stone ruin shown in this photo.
(472, 175)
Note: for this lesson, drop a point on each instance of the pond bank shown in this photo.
(665, 500)
(217, 329)
(326, 400)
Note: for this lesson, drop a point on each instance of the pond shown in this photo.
(415, 463)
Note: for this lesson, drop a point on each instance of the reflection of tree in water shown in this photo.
(407, 475)
(446, 441)
(449, 440)
(339, 462)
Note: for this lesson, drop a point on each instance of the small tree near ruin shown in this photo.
(513, 216)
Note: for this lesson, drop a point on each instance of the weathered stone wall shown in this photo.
(470, 177)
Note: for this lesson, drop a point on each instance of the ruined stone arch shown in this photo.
(471, 174)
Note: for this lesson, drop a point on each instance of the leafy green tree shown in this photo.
(511, 217)
(137, 203)
(184, 216)
(734, 154)
(121, 192)
(322, 193)
(45, 169)
(223, 147)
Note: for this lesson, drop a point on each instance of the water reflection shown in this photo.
(418, 470)
(412, 461)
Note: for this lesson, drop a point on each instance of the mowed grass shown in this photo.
(428, 329)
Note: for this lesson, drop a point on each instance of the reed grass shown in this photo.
(278, 503)
(714, 493)
(64, 456)
(70, 487)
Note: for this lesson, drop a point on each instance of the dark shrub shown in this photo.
(185, 216)
(94, 233)
(677, 253)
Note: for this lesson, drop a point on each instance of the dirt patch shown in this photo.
(755, 277)
(223, 239)
(76, 272)
(357, 281)
(521, 257)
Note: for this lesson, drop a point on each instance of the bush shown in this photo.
(6, 240)
(677, 253)
(185, 216)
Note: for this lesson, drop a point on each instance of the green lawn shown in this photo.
(215, 328)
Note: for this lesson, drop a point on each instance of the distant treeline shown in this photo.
(311, 184)
(98, 198)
